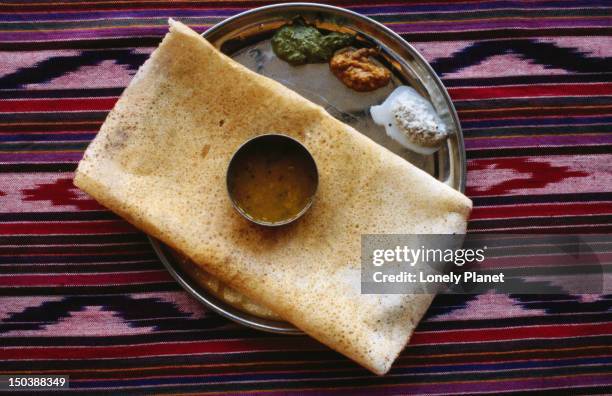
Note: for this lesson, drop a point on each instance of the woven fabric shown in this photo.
(82, 293)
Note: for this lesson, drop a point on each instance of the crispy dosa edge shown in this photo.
(105, 196)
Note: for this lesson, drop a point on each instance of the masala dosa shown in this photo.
(160, 161)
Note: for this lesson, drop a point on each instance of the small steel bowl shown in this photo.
(269, 140)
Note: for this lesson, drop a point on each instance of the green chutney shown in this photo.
(298, 44)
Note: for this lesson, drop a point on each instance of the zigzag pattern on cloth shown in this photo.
(547, 54)
(155, 314)
(57, 66)
(134, 312)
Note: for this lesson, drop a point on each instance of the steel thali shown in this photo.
(246, 39)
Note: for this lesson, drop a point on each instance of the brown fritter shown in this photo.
(357, 71)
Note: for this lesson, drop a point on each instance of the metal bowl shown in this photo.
(246, 38)
(271, 140)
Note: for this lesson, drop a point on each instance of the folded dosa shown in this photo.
(160, 161)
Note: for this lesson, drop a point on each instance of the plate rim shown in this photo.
(219, 306)
(284, 327)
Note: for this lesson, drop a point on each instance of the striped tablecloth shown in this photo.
(82, 294)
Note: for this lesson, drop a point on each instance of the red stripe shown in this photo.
(505, 113)
(67, 227)
(104, 279)
(22, 105)
(518, 91)
(564, 209)
(186, 348)
(51, 131)
(483, 335)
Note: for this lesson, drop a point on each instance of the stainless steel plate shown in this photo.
(246, 39)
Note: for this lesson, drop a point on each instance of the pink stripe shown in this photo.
(537, 141)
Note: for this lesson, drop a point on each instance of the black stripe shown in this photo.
(543, 198)
(40, 263)
(36, 126)
(532, 103)
(61, 93)
(56, 116)
(58, 216)
(38, 167)
(46, 146)
(538, 151)
(580, 229)
(71, 259)
(89, 290)
(540, 221)
(25, 240)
